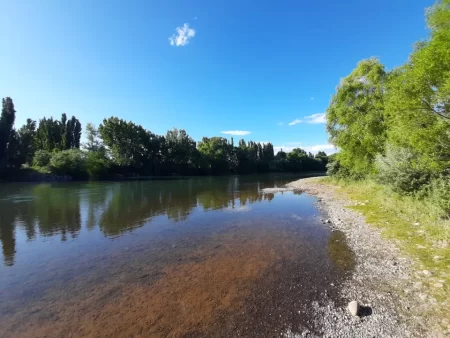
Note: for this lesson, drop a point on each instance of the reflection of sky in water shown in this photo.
(98, 232)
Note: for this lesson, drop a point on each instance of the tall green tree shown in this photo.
(217, 151)
(7, 119)
(71, 134)
(26, 135)
(418, 100)
(181, 151)
(355, 117)
(48, 134)
(131, 145)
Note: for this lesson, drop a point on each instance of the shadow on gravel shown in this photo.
(365, 311)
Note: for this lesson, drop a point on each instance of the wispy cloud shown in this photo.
(236, 132)
(182, 37)
(312, 98)
(280, 124)
(315, 118)
(296, 121)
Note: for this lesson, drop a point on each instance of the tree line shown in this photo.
(394, 125)
(119, 147)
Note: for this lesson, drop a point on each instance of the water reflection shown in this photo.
(64, 209)
(340, 253)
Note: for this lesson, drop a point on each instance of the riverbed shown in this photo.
(198, 257)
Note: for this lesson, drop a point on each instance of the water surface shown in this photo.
(203, 257)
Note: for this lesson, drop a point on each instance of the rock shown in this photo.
(327, 221)
(353, 307)
(416, 224)
(426, 273)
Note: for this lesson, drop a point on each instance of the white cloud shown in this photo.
(315, 118)
(236, 132)
(328, 148)
(288, 147)
(296, 121)
(183, 36)
(241, 208)
(312, 98)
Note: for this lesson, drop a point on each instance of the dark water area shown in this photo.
(198, 257)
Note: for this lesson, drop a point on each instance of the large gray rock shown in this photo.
(353, 307)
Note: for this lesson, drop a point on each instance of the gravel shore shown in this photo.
(393, 303)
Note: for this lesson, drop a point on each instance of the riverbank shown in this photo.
(402, 298)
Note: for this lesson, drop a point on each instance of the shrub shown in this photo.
(335, 169)
(97, 164)
(69, 162)
(439, 193)
(401, 170)
(42, 158)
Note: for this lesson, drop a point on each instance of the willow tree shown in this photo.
(418, 100)
(355, 117)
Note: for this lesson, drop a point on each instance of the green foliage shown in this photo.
(418, 100)
(131, 145)
(42, 158)
(97, 164)
(93, 143)
(355, 117)
(400, 169)
(69, 162)
(7, 119)
(438, 193)
(216, 151)
(49, 134)
(125, 148)
(408, 109)
(180, 151)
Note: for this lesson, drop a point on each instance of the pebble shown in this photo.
(353, 307)
(426, 272)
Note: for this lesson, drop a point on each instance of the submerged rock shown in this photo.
(353, 307)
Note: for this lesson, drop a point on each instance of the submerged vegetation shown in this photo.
(119, 147)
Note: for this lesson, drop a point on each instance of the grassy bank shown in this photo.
(418, 227)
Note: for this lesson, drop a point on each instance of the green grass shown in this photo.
(418, 227)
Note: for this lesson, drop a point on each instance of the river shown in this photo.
(197, 257)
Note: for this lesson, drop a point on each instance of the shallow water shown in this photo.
(205, 257)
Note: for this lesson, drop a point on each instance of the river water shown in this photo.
(201, 257)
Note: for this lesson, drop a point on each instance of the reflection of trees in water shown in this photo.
(134, 203)
(7, 235)
(56, 209)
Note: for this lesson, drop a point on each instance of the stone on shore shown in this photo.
(353, 307)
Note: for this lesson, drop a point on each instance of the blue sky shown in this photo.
(249, 66)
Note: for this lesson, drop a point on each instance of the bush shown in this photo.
(97, 164)
(42, 158)
(69, 162)
(401, 170)
(335, 169)
(439, 193)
